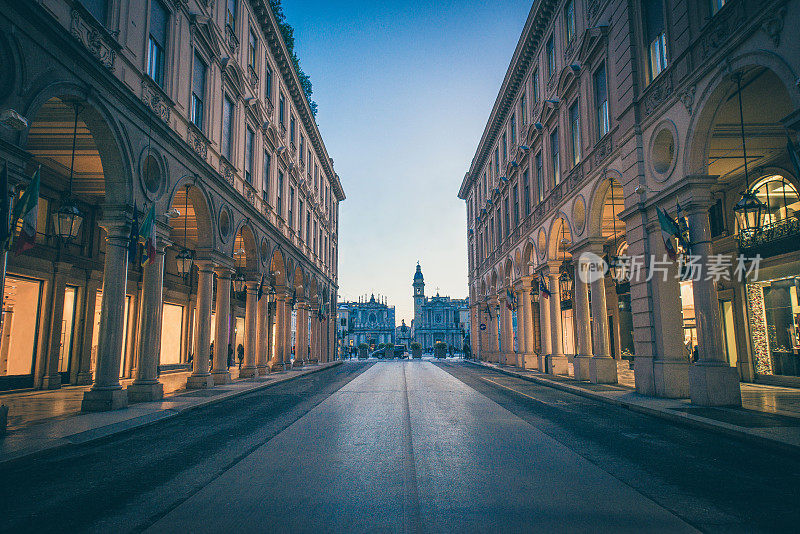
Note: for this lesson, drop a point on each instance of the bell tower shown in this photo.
(419, 294)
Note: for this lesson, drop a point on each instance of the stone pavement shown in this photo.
(770, 415)
(48, 419)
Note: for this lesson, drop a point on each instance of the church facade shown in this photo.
(436, 318)
(366, 321)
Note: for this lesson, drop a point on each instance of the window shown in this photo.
(515, 200)
(227, 128)
(292, 124)
(302, 149)
(230, 14)
(716, 5)
(268, 83)
(265, 179)
(308, 226)
(249, 137)
(539, 176)
(507, 216)
(290, 208)
(97, 8)
(198, 90)
(499, 231)
(157, 43)
(554, 156)
(282, 110)
(505, 147)
(601, 100)
(496, 161)
(655, 37)
(513, 130)
(252, 50)
(569, 21)
(300, 218)
(575, 132)
(279, 197)
(527, 185)
(314, 247)
(523, 109)
(551, 57)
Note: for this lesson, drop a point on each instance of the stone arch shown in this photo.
(508, 272)
(528, 257)
(299, 282)
(493, 282)
(189, 197)
(559, 230)
(103, 168)
(717, 92)
(244, 245)
(599, 216)
(277, 267)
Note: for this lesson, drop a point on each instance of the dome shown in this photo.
(418, 274)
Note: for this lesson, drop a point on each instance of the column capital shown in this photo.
(204, 265)
(592, 244)
(252, 286)
(223, 272)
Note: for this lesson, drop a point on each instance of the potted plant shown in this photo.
(416, 350)
(362, 351)
(388, 350)
(440, 349)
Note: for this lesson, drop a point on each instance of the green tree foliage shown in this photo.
(288, 37)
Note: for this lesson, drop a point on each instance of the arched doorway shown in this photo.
(744, 143)
(51, 308)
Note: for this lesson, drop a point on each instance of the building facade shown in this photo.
(367, 321)
(191, 111)
(436, 318)
(611, 112)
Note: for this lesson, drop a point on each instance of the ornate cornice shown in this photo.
(538, 21)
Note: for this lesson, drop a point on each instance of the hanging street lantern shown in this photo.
(68, 221)
(565, 281)
(535, 289)
(749, 211)
(239, 283)
(185, 261)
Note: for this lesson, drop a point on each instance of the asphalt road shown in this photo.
(407, 447)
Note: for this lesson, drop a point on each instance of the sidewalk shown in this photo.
(770, 415)
(52, 419)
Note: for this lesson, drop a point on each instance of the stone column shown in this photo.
(314, 334)
(201, 377)
(493, 348)
(529, 360)
(544, 330)
(51, 378)
(712, 382)
(557, 362)
(584, 353)
(502, 324)
(221, 375)
(602, 367)
(107, 392)
(278, 362)
(262, 335)
(301, 335)
(661, 367)
(146, 387)
(521, 333)
(250, 331)
(90, 305)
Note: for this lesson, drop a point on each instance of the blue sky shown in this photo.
(404, 91)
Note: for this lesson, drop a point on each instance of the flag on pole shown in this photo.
(543, 289)
(27, 208)
(511, 299)
(133, 239)
(669, 229)
(5, 230)
(148, 233)
(793, 154)
(683, 225)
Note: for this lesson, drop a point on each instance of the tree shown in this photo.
(288, 37)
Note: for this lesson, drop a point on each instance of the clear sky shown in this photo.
(404, 91)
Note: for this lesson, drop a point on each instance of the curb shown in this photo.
(688, 420)
(73, 440)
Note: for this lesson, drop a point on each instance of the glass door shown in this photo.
(67, 333)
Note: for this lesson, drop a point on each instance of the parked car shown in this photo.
(400, 351)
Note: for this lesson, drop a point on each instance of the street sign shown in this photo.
(483, 326)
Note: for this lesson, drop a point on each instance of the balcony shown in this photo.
(771, 239)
